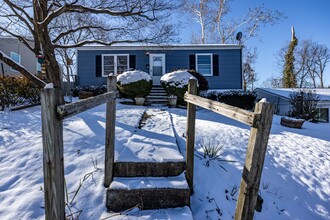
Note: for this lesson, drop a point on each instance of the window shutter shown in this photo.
(215, 65)
(132, 62)
(98, 66)
(192, 62)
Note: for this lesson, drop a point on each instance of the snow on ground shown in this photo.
(155, 142)
(295, 180)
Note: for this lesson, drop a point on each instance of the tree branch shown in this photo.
(19, 37)
(82, 28)
(7, 60)
(14, 7)
(69, 8)
(82, 43)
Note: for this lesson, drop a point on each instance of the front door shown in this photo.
(156, 67)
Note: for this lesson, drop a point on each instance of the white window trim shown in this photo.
(19, 60)
(196, 62)
(115, 62)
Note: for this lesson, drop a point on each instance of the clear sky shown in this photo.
(310, 18)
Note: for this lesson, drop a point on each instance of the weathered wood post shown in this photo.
(52, 140)
(110, 132)
(254, 161)
(190, 143)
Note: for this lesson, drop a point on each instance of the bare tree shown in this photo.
(217, 24)
(202, 11)
(322, 58)
(249, 74)
(125, 21)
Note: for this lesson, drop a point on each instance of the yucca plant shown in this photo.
(213, 152)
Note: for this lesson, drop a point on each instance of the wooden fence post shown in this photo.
(110, 132)
(190, 141)
(52, 140)
(255, 156)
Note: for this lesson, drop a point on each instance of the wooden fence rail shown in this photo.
(260, 121)
(52, 138)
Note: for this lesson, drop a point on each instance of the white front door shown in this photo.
(156, 67)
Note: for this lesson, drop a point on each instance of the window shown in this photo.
(323, 114)
(16, 57)
(204, 64)
(116, 64)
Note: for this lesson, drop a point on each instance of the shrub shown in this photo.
(134, 84)
(202, 82)
(96, 90)
(303, 105)
(237, 98)
(176, 83)
(16, 90)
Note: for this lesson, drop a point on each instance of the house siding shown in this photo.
(28, 59)
(230, 66)
(281, 104)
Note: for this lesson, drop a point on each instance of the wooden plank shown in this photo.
(235, 113)
(254, 162)
(68, 110)
(190, 141)
(110, 132)
(52, 140)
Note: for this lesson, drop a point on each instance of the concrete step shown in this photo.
(144, 169)
(148, 193)
(158, 93)
(182, 213)
(157, 96)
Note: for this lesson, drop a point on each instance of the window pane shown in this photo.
(109, 60)
(108, 70)
(15, 57)
(204, 59)
(204, 64)
(205, 70)
(121, 69)
(122, 60)
(157, 70)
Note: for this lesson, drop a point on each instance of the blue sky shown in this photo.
(310, 18)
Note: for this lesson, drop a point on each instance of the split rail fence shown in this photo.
(260, 121)
(53, 115)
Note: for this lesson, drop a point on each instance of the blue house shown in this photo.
(220, 64)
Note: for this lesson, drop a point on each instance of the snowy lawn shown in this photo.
(295, 181)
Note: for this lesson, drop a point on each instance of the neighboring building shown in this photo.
(20, 54)
(220, 64)
(280, 98)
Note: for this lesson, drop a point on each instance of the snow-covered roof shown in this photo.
(324, 94)
(163, 47)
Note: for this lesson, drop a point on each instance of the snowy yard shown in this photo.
(295, 181)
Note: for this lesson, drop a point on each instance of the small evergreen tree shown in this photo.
(289, 78)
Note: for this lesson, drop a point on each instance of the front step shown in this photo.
(157, 96)
(182, 213)
(148, 193)
(155, 169)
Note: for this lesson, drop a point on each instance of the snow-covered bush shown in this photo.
(134, 84)
(237, 98)
(176, 83)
